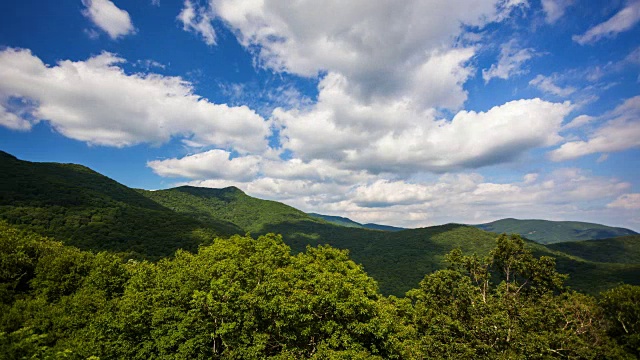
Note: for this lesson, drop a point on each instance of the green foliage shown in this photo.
(245, 298)
(229, 204)
(624, 249)
(622, 308)
(508, 304)
(550, 232)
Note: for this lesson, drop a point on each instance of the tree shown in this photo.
(622, 308)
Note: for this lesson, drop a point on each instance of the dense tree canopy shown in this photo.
(245, 298)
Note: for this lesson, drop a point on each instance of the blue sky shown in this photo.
(410, 113)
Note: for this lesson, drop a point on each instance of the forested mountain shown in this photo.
(80, 207)
(228, 204)
(624, 249)
(245, 298)
(465, 292)
(343, 221)
(86, 209)
(549, 232)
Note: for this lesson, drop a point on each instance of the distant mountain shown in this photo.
(624, 249)
(343, 221)
(550, 232)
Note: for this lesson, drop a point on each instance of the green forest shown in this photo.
(246, 298)
(92, 269)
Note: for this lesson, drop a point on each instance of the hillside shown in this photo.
(343, 221)
(247, 298)
(549, 232)
(624, 249)
(228, 204)
(397, 260)
(91, 211)
(81, 207)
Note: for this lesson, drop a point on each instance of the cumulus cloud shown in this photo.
(215, 163)
(395, 136)
(198, 19)
(626, 201)
(108, 17)
(622, 21)
(12, 121)
(385, 193)
(510, 62)
(547, 84)
(462, 197)
(384, 49)
(620, 131)
(555, 9)
(95, 101)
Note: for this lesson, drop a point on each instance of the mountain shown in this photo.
(343, 221)
(229, 204)
(92, 211)
(624, 249)
(83, 208)
(549, 232)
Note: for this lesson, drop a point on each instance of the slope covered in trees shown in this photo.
(549, 232)
(83, 208)
(245, 298)
(343, 221)
(91, 211)
(228, 204)
(624, 249)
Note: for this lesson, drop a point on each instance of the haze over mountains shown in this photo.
(83, 208)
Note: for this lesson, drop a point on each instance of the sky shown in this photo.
(408, 113)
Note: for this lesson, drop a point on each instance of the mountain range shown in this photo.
(550, 232)
(343, 221)
(83, 208)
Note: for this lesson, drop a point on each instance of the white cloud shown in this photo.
(397, 137)
(622, 21)
(97, 102)
(108, 17)
(155, 2)
(13, 121)
(531, 177)
(384, 49)
(547, 85)
(198, 19)
(626, 201)
(633, 58)
(509, 63)
(463, 197)
(620, 132)
(555, 9)
(213, 164)
(579, 121)
(149, 64)
(314, 170)
(384, 193)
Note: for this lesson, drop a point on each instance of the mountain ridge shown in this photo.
(344, 221)
(549, 231)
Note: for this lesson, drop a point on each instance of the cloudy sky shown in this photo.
(409, 113)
